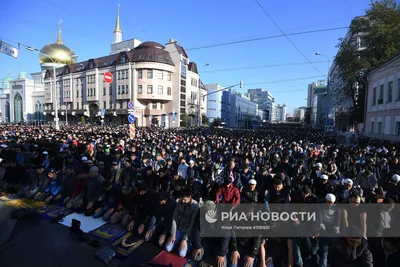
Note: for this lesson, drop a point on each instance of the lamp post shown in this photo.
(54, 83)
(327, 85)
(199, 118)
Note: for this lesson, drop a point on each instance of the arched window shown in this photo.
(18, 108)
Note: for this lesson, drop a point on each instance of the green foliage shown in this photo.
(216, 122)
(379, 33)
(185, 120)
(204, 119)
(83, 119)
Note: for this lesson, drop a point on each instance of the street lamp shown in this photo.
(54, 82)
(199, 118)
(327, 85)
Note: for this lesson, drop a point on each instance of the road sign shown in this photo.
(108, 77)
(103, 112)
(132, 131)
(131, 111)
(131, 105)
(131, 118)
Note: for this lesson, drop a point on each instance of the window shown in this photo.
(149, 74)
(104, 91)
(398, 89)
(183, 82)
(160, 90)
(183, 97)
(123, 89)
(374, 96)
(104, 104)
(118, 75)
(183, 103)
(183, 110)
(397, 129)
(169, 76)
(160, 74)
(119, 90)
(122, 75)
(126, 74)
(140, 74)
(126, 89)
(141, 57)
(111, 106)
(169, 91)
(161, 106)
(94, 92)
(381, 92)
(154, 106)
(139, 89)
(77, 93)
(183, 89)
(379, 127)
(149, 89)
(390, 91)
(77, 105)
(150, 57)
(123, 59)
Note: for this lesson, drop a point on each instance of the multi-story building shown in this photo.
(299, 114)
(382, 119)
(264, 100)
(310, 94)
(338, 109)
(22, 99)
(160, 80)
(278, 113)
(243, 112)
(214, 102)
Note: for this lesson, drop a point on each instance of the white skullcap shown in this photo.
(396, 178)
(348, 181)
(319, 165)
(191, 161)
(45, 153)
(324, 176)
(253, 182)
(330, 197)
(84, 158)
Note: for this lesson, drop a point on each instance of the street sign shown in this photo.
(131, 118)
(103, 112)
(132, 131)
(131, 111)
(131, 105)
(108, 77)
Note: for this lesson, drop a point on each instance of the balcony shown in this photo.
(154, 112)
(159, 97)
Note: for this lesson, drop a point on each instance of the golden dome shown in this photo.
(58, 52)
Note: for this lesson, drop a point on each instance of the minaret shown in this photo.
(117, 30)
(59, 38)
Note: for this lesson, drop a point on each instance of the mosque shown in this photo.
(160, 80)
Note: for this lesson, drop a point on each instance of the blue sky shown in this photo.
(88, 29)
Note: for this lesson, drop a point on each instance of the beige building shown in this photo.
(383, 102)
(160, 80)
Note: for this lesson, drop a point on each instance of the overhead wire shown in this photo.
(293, 44)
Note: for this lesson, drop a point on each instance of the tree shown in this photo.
(307, 116)
(185, 120)
(379, 32)
(216, 122)
(204, 119)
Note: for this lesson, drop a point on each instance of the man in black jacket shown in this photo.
(351, 251)
(385, 250)
(250, 194)
(110, 200)
(244, 250)
(163, 216)
(146, 204)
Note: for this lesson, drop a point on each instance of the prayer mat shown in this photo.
(166, 258)
(24, 203)
(127, 244)
(7, 197)
(192, 263)
(51, 212)
(108, 232)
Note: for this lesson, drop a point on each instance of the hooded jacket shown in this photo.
(230, 195)
(342, 255)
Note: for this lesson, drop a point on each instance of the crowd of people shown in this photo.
(156, 183)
